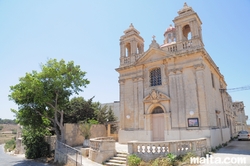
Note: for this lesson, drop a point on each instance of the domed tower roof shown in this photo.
(169, 29)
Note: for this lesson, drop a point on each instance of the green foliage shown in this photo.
(7, 121)
(171, 157)
(79, 109)
(101, 114)
(161, 161)
(85, 129)
(42, 96)
(14, 131)
(34, 141)
(105, 114)
(143, 163)
(1, 127)
(10, 145)
(213, 149)
(224, 144)
(187, 156)
(133, 160)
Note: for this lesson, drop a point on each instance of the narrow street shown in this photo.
(231, 155)
(11, 160)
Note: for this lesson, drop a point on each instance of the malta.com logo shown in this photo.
(209, 159)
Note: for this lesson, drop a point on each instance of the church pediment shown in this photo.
(155, 96)
(152, 55)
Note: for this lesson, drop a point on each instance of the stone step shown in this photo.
(119, 158)
(117, 161)
(121, 155)
(114, 164)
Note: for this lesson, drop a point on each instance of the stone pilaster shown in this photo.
(135, 107)
(200, 89)
(122, 103)
(140, 103)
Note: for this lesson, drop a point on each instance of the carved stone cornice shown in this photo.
(200, 66)
(121, 81)
(138, 78)
(155, 96)
(175, 70)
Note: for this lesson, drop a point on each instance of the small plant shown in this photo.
(10, 145)
(187, 156)
(213, 150)
(85, 129)
(1, 127)
(143, 163)
(134, 160)
(171, 157)
(161, 161)
(14, 131)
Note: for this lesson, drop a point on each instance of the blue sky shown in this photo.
(88, 33)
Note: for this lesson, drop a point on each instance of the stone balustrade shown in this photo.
(101, 149)
(151, 150)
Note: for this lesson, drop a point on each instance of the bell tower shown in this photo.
(131, 46)
(188, 28)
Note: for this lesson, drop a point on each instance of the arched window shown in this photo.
(187, 32)
(157, 110)
(128, 49)
(155, 77)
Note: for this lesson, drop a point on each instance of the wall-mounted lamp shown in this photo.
(191, 113)
(128, 116)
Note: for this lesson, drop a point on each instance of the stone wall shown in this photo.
(73, 136)
(51, 140)
(101, 149)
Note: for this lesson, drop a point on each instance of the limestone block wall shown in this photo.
(219, 136)
(213, 97)
(73, 136)
(140, 135)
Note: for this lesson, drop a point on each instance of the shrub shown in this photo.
(187, 156)
(213, 149)
(1, 127)
(36, 146)
(14, 131)
(133, 160)
(10, 145)
(143, 163)
(162, 162)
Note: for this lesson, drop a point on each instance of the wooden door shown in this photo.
(158, 127)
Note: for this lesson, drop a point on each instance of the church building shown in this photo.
(172, 91)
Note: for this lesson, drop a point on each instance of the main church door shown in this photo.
(158, 124)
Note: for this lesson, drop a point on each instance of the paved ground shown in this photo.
(230, 154)
(17, 160)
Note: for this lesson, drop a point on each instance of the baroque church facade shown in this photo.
(172, 91)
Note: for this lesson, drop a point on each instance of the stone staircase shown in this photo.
(119, 160)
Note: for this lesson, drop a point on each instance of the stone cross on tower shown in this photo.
(153, 37)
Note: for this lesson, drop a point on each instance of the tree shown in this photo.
(80, 109)
(101, 114)
(105, 114)
(46, 93)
